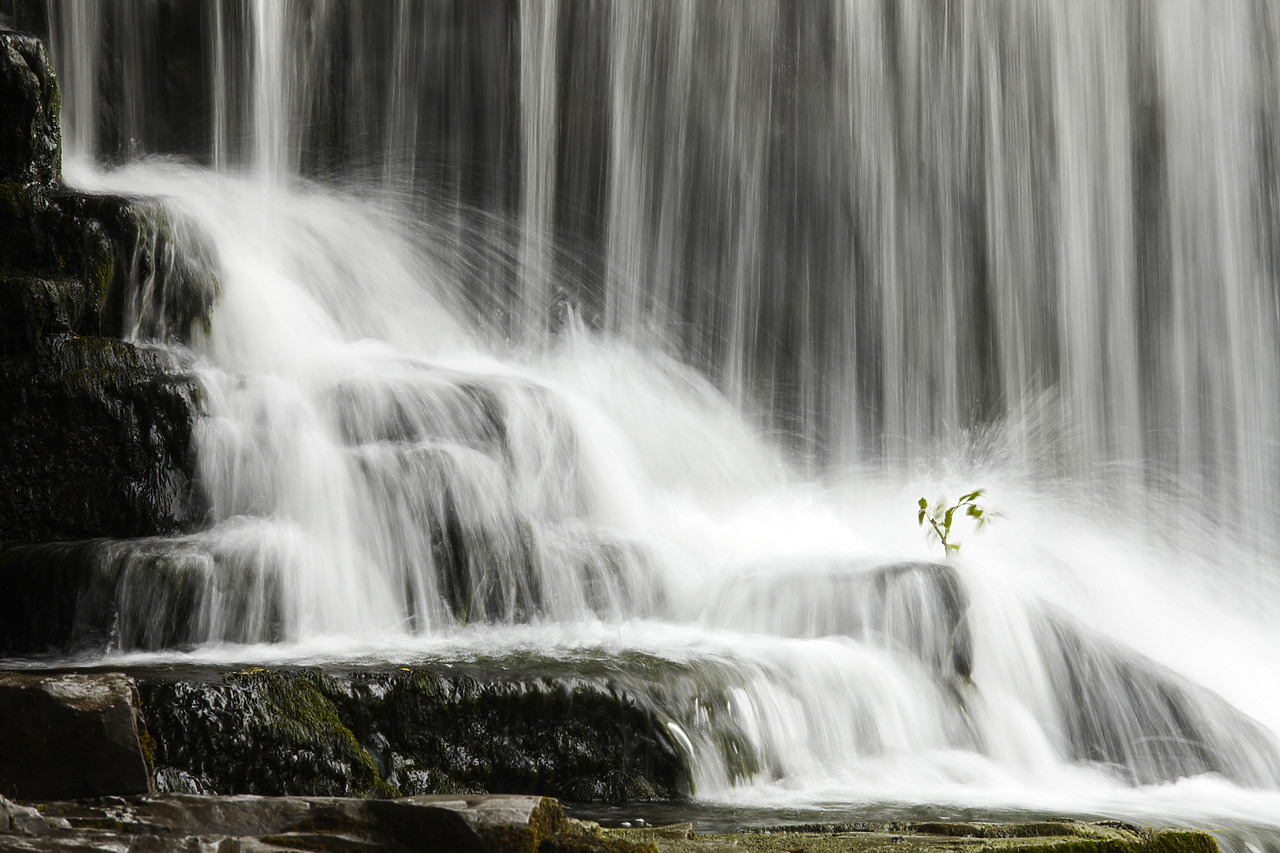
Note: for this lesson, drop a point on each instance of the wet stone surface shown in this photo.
(95, 427)
(408, 731)
(70, 735)
(508, 824)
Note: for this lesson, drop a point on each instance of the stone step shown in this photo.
(512, 824)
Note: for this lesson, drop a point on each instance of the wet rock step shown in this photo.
(95, 427)
(476, 824)
(509, 824)
(76, 741)
(407, 731)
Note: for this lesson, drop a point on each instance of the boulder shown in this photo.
(73, 735)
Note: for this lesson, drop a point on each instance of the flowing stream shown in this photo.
(623, 337)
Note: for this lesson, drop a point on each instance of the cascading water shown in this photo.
(623, 337)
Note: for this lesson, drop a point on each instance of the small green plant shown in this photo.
(940, 516)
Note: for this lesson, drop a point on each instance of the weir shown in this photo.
(616, 341)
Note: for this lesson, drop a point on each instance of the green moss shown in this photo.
(1172, 841)
(589, 838)
(511, 839)
(148, 745)
(1147, 841)
(299, 713)
(100, 272)
(1044, 837)
(11, 192)
(548, 818)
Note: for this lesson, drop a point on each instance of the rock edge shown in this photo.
(510, 824)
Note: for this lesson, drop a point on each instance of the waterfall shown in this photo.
(623, 337)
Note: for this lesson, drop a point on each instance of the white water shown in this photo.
(390, 481)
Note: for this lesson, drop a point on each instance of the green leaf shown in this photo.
(941, 516)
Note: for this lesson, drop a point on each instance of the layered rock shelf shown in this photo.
(95, 424)
(510, 824)
(408, 731)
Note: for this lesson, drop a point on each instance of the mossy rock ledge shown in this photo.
(408, 731)
(1050, 836)
(97, 293)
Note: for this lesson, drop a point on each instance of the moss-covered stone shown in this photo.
(576, 740)
(258, 732)
(546, 820)
(1038, 837)
(120, 252)
(30, 136)
(583, 837)
(95, 435)
(414, 731)
(94, 429)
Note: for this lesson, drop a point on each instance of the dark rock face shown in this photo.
(97, 265)
(96, 436)
(103, 595)
(67, 736)
(30, 137)
(258, 733)
(94, 429)
(410, 732)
